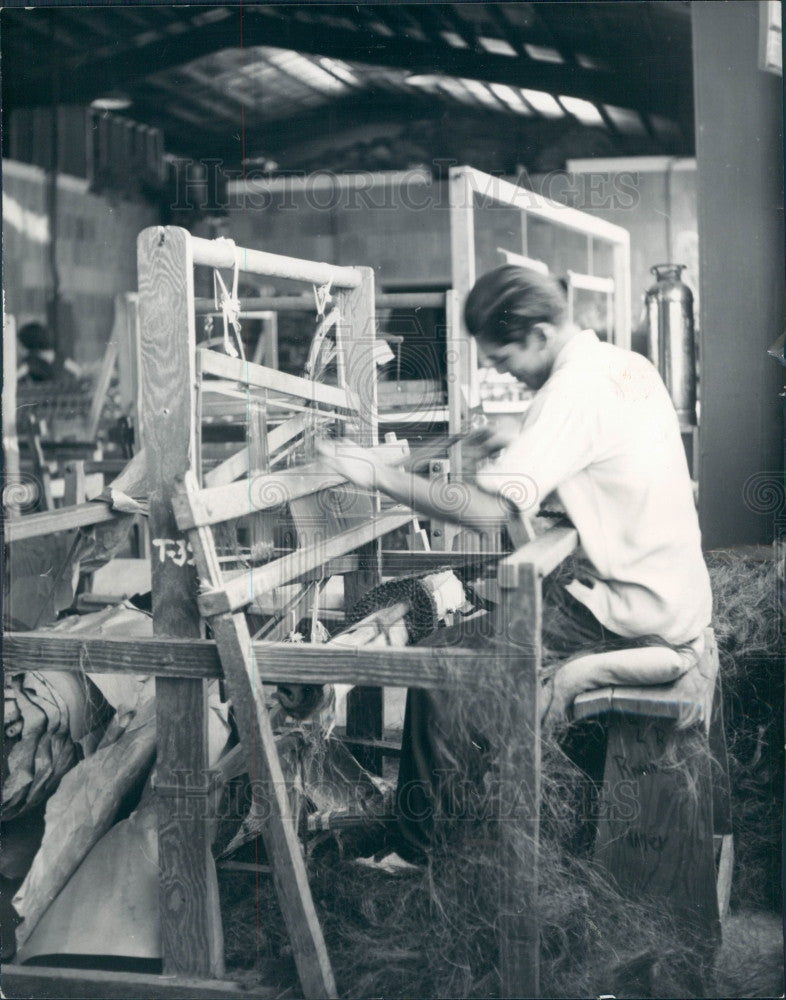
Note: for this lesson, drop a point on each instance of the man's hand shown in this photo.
(356, 464)
(483, 443)
(465, 505)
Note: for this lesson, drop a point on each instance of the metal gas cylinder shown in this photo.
(670, 337)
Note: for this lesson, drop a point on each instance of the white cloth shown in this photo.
(604, 434)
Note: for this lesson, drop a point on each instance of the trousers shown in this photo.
(445, 754)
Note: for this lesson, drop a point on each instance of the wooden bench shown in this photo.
(663, 813)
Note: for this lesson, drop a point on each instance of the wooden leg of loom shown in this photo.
(518, 627)
(191, 931)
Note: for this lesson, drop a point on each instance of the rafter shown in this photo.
(361, 44)
(283, 139)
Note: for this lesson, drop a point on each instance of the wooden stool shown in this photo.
(665, 795)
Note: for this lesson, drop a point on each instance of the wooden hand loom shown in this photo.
(180, 384)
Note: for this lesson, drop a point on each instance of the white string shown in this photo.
(322, 296)
(325, 325)
(315, 610)
(318, 358)
(229, 304)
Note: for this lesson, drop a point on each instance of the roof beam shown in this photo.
(285, 139)
(89, 80)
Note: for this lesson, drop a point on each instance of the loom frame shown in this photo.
(182, 660)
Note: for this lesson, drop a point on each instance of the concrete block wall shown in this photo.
(397, 223)
(96, 252)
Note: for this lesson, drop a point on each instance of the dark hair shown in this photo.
(506, 303)
(36, 337)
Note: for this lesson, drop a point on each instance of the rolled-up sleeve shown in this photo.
(559, 438)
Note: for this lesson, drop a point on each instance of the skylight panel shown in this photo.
(477, 89)
(454, 39)
(511, 98)
(588, 62)
(308, 72)
(585, 111)
(543, 103)
(425, 81)
(340, 69)
(380, 28)
(416, 31)
(210, 16)
(626, 120)
(456, 88)
(543, 53)
(498, 46)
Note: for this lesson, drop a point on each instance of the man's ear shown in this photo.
(541, 332)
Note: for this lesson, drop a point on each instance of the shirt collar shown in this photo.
(579, 343)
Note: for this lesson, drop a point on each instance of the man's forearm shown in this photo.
(458, 502)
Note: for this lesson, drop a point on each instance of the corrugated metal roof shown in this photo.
(198, 72)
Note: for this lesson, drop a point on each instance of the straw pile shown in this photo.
(748, 625)
(428, 930)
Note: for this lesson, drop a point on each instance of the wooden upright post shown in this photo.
(461, 349)
(518, 621)
(261, 522)
(190, 920)
(10, 440)
(128, 359)
(622, 303)
(365, 706)
(462, 354)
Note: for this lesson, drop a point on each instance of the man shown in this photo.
(602, 436)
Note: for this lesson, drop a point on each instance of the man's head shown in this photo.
(519, 319)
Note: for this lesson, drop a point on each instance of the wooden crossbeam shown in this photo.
(263, 492)
(258, 376)
(224, 253)
(65, 519)
(305, 303)
(278, 662)
(545, 553)
(237, 465)
(238, 591)
(36, 983)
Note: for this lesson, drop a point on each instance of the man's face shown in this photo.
(529, 361)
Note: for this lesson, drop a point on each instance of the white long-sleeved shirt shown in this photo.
(603, 433)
